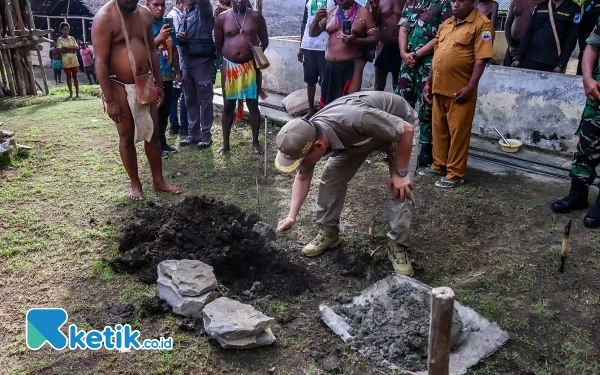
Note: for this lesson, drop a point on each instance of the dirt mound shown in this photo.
(213, 232)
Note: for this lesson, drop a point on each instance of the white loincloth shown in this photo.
(142, 120)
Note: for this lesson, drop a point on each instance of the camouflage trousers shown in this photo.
(587, 154)
(410, 87)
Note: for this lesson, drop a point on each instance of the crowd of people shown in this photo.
(435, 50)
(71, 56)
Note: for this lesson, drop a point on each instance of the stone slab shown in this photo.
(191, 277)
(262, 339)
(231, 319)
(187, 306)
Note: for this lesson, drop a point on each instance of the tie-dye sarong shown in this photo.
(240, 80)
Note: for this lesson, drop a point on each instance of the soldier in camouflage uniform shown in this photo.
(587, 156)
(418, 27)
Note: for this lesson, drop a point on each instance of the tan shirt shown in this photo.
(457, 48)
(363, 122)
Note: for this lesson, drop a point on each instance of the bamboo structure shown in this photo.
(18, 38)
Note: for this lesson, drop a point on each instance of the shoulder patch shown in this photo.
(486, 35)
(577, 18)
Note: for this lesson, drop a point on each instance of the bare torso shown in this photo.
(118, 61)
(488, 9)
(235, 44)
(336, 49)
(521, 10)
(390, 12)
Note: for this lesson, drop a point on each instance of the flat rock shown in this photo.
(187, 306)
(262, 339)
(191, 278)
(6, 133)
(231, 320)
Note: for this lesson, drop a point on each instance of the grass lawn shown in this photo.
(494, 241)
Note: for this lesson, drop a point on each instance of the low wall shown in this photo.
(541, 109)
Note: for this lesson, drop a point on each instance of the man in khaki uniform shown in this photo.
(463, 48)
(350, 128)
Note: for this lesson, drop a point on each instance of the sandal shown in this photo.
(447, 184)
(428, 172)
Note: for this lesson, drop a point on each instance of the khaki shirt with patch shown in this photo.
(363, 122)
(457, 48)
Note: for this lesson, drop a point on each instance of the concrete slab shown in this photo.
(478, 339)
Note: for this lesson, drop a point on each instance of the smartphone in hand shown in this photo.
(347, 27)
(169, 21)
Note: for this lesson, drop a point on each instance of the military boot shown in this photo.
(592, 219)
(425, 157)
(327, 238)
(399, 258)
(576, 200)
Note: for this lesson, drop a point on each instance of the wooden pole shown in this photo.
(3, 70)
(20, 23)
(442, 307)
(259, 6)
(29, 14)
(266, 129)
(44, 78)
(9, 72)
(19, 75)
(28, 66)
(83, 29)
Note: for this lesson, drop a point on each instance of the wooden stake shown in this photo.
(19, 75)
(44, 78)
(442, 307)
(257, 197)
(266, 129)
(9, 72)
(565, 246)
(28, 66)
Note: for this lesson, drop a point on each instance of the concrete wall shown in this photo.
(541, 109)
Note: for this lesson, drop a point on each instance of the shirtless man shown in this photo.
(488, 8)
(114, 70)
(519, 14)
(239, 77)
(345, 54)
(387, 14)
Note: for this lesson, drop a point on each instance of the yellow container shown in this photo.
(513, 146)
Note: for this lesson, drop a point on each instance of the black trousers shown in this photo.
(163, 113)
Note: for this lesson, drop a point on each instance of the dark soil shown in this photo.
(213, 232)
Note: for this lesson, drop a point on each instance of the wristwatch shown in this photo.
(415, 55)
(402, 173)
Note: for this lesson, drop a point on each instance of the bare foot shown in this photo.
(258, 149)
(167, 188)
(263, 95)
(136, 194)
(223, 150)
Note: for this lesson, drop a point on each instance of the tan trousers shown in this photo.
(451, 130)
(340, 169)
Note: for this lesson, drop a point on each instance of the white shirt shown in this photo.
(176, 15)
(317, 43)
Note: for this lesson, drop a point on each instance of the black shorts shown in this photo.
(314, 61)
(389, 58)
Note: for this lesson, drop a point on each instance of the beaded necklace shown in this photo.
(351, 16)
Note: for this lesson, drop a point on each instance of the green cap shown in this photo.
(294, 141)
